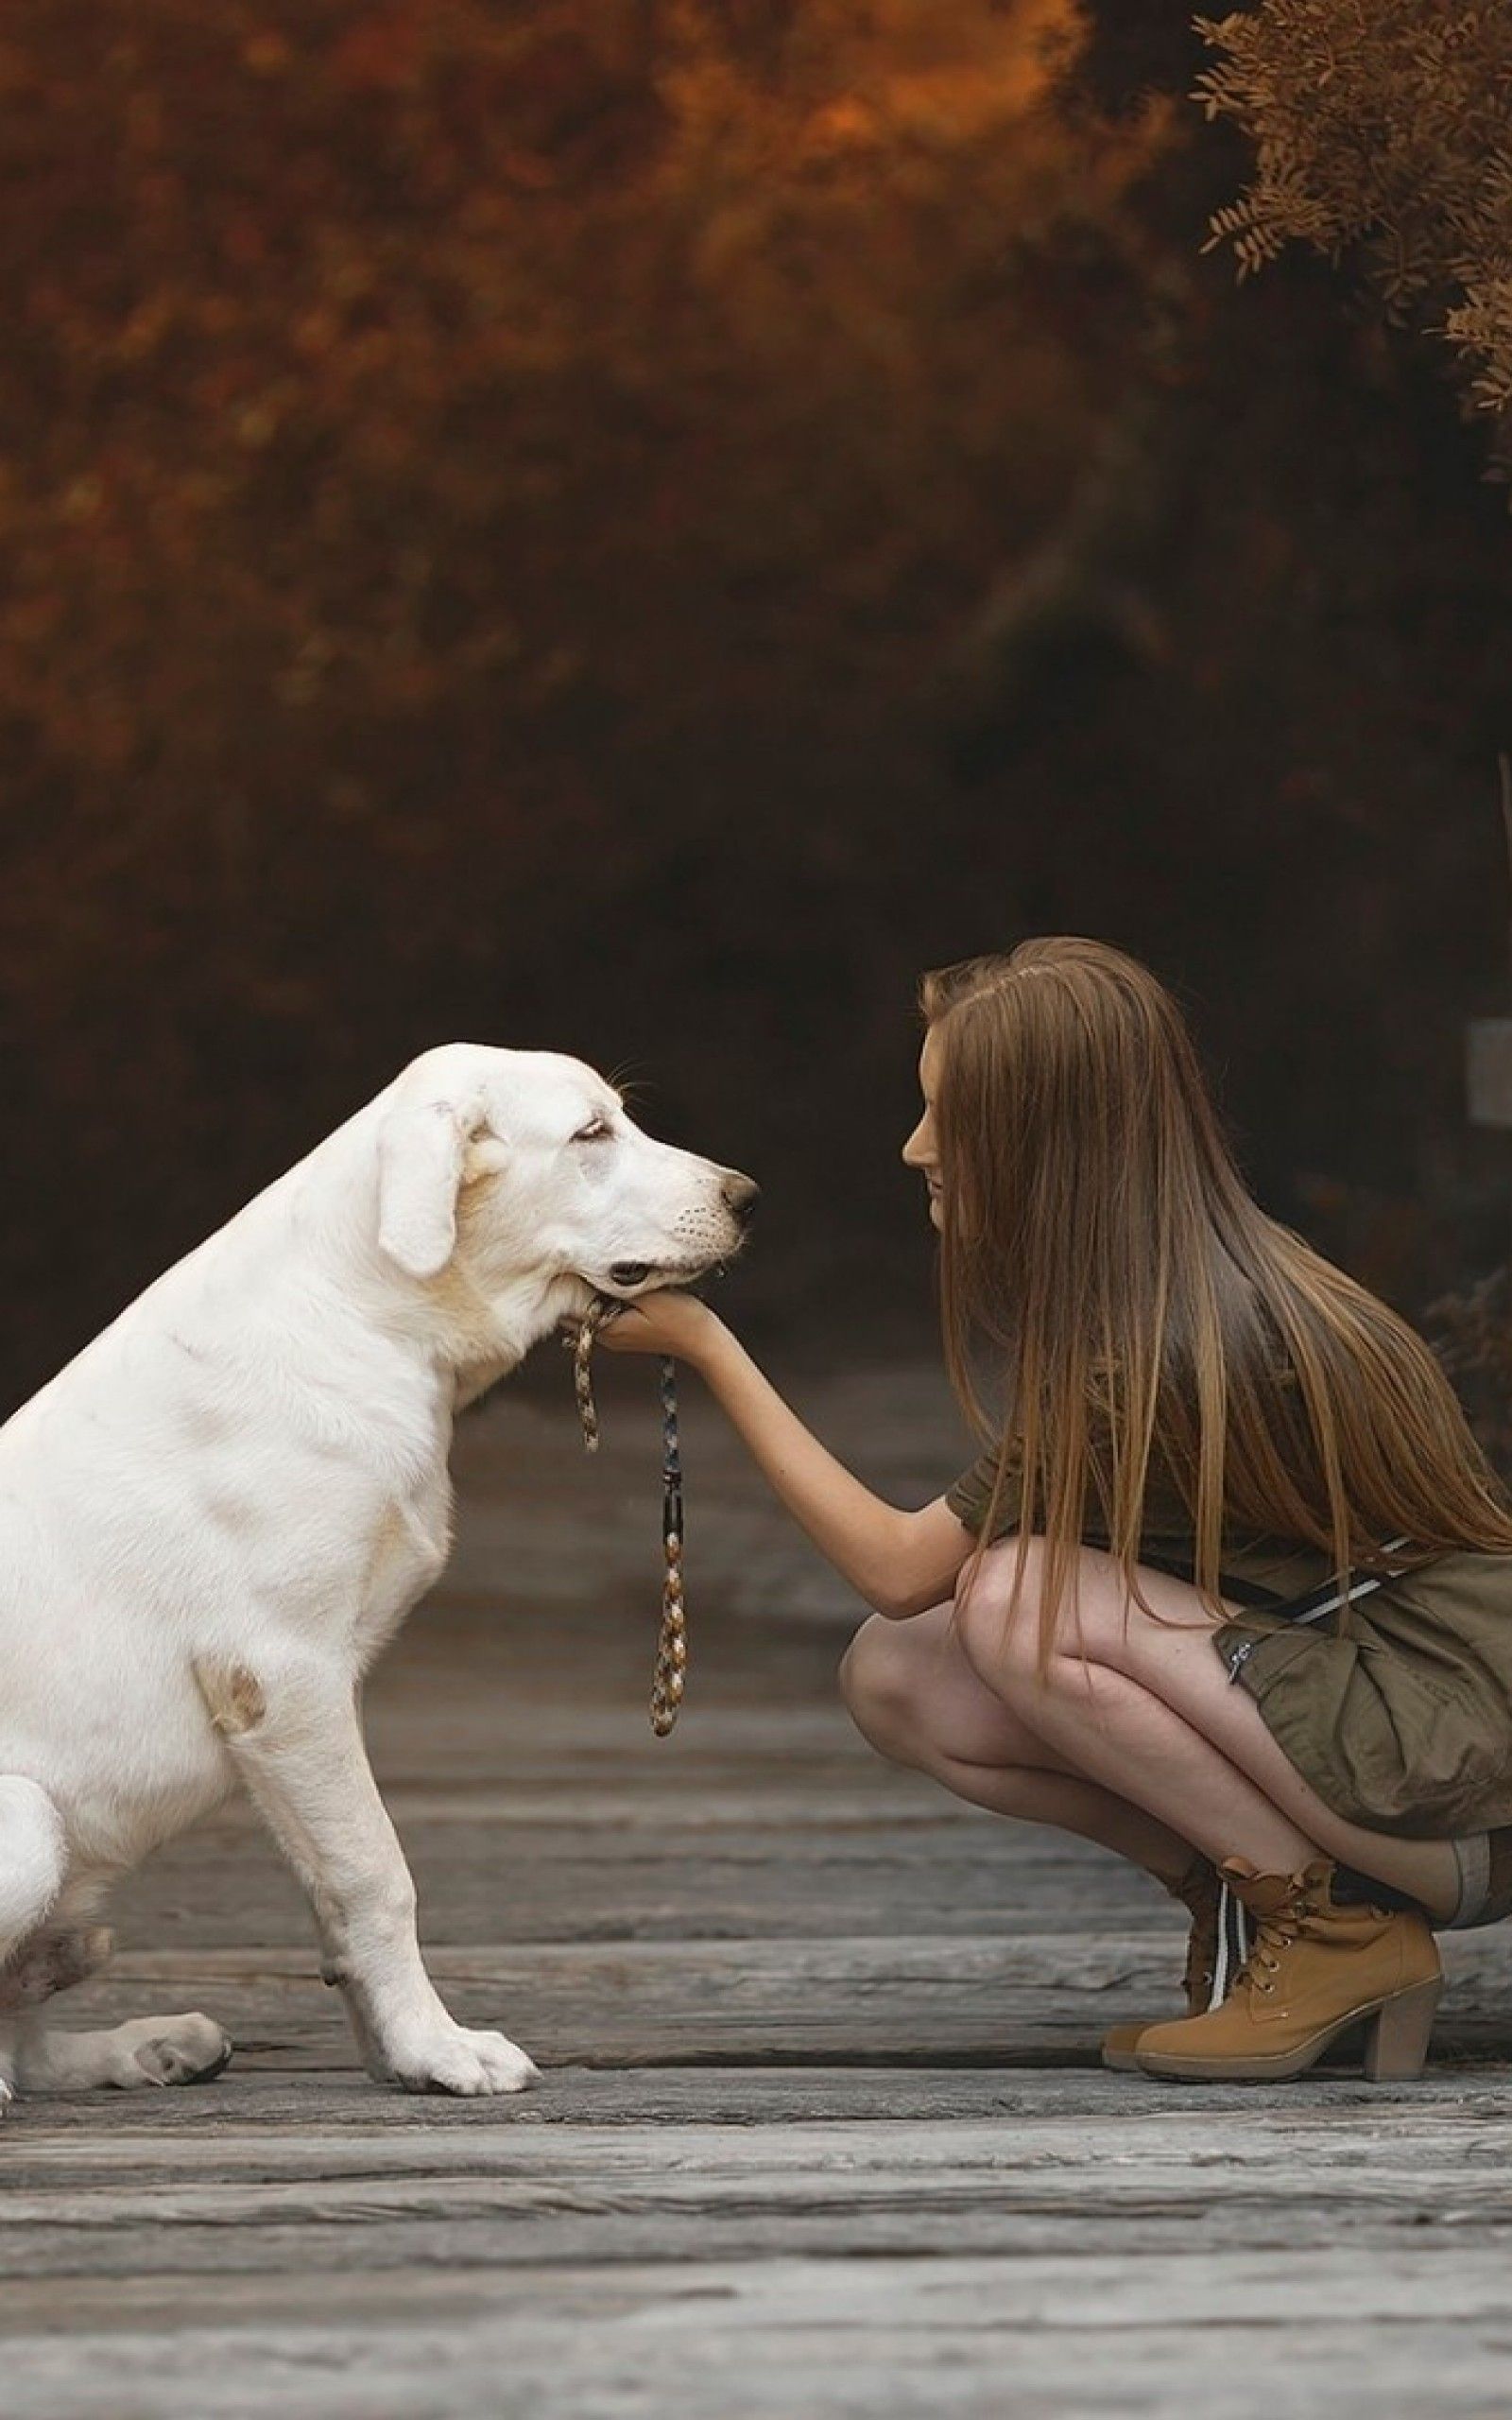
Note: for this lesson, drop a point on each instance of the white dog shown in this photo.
(212, 1520)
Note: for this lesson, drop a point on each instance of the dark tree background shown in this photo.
(635, 527)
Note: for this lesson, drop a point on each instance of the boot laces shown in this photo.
(1274, 1933)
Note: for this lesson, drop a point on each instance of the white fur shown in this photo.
(212, 1520)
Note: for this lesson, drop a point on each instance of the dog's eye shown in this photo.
(598, 1130)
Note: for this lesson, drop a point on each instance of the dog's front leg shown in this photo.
(297, 1741)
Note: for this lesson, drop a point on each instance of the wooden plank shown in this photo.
(500, 2195)
(1172, 2142)
(1085, 2293)
(1219, 2333)
(484, 1872)
(930, 1998)
(869, 2343)
(637, 2004)
(753, 1894)
(274, 2098)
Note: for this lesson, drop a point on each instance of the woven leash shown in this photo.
(672, 1641)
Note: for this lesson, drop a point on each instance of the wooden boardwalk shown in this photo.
(821, 2130)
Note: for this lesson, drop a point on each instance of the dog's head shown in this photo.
(523, 1167)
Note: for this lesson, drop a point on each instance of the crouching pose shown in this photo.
(1230, 1589)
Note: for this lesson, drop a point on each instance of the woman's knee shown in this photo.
(997, 1615)
(1002, 1617)
(878, 1681)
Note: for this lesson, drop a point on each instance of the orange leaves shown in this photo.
(1386, 134)
(847, 124)
(266, 53)
(244, 240)
(592, 301)
(381, 51)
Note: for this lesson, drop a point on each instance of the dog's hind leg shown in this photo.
(53, 1960)
(33, 1864)
(145, 2050)
(39, 1957)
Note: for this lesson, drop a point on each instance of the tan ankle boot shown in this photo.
(1315, 1970)
(1199, 1891)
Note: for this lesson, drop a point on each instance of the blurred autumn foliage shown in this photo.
(634, 526)
(347, 328)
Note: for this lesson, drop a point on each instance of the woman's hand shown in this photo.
(899, 1561)
(667, 1322)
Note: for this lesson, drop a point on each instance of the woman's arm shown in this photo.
(901, 1562)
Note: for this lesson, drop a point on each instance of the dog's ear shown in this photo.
(426, 1153)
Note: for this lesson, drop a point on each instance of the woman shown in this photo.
(1217, 1461)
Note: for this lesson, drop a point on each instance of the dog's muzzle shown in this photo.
(739, 1196)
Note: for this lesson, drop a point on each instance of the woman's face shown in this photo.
(921, 1151)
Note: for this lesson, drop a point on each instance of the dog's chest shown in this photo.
(408, 1553)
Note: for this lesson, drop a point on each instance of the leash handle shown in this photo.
(672, 1641)
(671, 1453)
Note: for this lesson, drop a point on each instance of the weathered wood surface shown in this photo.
(821, 2130)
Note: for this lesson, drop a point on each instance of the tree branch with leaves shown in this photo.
(1382, 129)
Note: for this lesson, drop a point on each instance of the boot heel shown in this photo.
(1397, 2037)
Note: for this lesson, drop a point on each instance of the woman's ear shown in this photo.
(426, 1153)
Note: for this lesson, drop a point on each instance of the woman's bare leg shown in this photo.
(913, 1695)
(1146, 1707)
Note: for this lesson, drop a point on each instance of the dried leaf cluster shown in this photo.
(1383, 127)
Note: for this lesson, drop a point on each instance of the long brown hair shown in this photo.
(1148, 1322)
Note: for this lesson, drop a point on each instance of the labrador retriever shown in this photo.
(215, 1518)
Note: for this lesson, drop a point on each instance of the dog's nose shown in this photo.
(742, 1193)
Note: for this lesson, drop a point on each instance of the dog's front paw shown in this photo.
(458, 2061)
